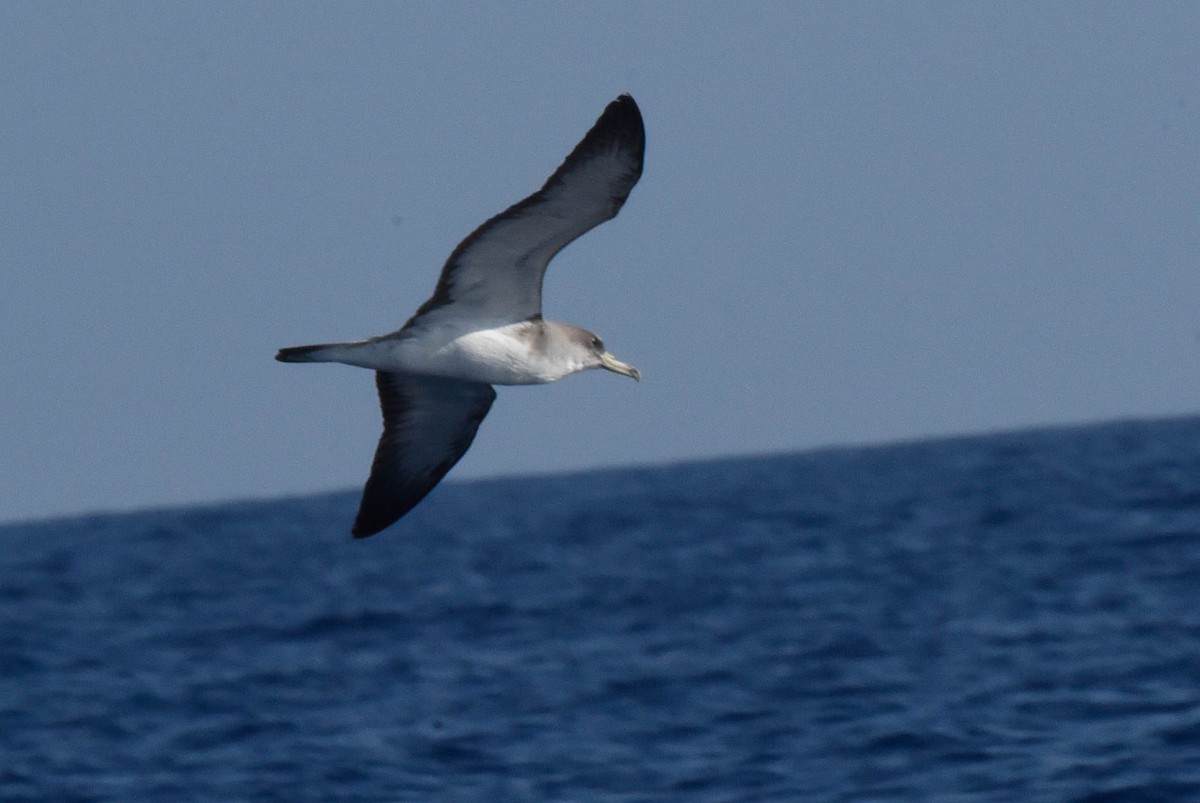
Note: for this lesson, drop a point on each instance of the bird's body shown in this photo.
(522, 353)
(483, 326)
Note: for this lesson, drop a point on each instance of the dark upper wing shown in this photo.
(498, 269)
(428, 424)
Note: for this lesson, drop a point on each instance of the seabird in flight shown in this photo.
(483, 325)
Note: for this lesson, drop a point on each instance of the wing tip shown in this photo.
(623, 119)
(376, 515)
(359, 535)
(625, 104)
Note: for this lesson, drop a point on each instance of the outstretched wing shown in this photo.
(428, 424)
(497, 270)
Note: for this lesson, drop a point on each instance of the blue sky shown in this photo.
(857, 223)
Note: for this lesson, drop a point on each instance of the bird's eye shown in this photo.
(597, 344)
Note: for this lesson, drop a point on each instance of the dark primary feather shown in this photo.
(499, 267)
(428, 423)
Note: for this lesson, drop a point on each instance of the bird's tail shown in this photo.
(324, 352)
(363, 353)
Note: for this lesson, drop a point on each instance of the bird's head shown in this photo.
(602, 358)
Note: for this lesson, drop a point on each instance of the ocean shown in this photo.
(1013, 617)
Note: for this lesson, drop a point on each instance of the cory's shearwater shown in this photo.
(483, 325)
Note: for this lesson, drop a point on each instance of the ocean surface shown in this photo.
(1013, 618)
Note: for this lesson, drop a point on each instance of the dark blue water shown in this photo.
(1014, 617)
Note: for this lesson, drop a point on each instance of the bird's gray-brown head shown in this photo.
(591, 352)
(605, 360)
